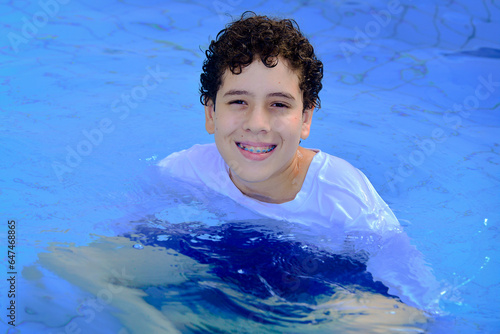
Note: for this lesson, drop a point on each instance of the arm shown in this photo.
(395, 261)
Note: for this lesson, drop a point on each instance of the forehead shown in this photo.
(258, 77)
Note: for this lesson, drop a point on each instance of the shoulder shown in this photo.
(350, 194)
(195, 152)
(188, 164)
(337, 172)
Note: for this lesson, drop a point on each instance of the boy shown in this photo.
(260, 86)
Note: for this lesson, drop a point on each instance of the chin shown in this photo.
(249, 176)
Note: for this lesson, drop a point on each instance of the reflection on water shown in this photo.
(232, 277)
(263, 264)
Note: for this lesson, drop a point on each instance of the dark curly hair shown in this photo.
(236, 46)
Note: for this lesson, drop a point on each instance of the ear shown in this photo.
(209, 117)
(306, 122)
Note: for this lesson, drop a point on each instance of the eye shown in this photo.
(279, 105)
(237, 102)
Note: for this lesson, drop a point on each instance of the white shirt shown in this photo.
(336, 206)
(334, 193)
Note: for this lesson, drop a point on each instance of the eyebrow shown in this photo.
(245, 92)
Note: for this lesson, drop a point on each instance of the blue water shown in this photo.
(410, 98)
(245, 256)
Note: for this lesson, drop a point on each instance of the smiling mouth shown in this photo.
(256, 149)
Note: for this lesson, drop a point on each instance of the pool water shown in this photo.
(94, 94)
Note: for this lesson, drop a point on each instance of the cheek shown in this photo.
(278, 124)
(286, 125)
(294, 126)
(226, 125)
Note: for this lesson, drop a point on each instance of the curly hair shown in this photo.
(236, 46)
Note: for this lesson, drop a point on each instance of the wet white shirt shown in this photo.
(335, 197)
(334, 193)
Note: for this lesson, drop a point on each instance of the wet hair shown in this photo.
(236, 47)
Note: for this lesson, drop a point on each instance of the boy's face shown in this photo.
(258, 120)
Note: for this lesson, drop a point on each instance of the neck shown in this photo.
(282, 188)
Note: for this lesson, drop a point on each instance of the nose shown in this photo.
(257, 120)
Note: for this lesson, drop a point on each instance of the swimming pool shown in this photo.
(94, 93)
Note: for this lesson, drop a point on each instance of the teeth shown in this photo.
(256, 149)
